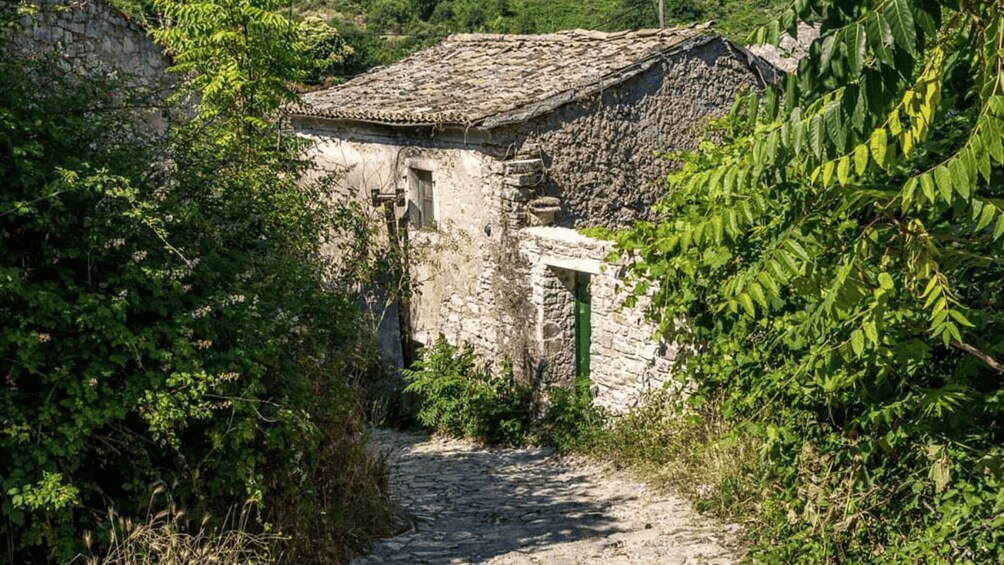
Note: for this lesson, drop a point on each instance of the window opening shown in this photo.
(423, 199)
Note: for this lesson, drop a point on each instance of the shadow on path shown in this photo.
(469, 504)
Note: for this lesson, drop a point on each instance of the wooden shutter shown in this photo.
(426, 198)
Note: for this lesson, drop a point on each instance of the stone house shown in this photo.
(494, 150)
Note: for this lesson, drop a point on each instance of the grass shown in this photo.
(694, 452)
(167, 537)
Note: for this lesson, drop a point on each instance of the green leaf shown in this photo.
(991, 137)
(797, 131)
(897, 13)
(789, 262)
(827, 48)
(768, 283)
(885, 281)
(999, 228)
(960, 179)
(878, 146)
(940, 472)
(856, 45)
(960, 318)
(943, 180)
(871, 331)
(816, 136)
(747, 303)
(927, 187)
(835, 127)
(857, 342)
(861, 159)
(798, 249)
(844, 170)
(908, 192)
(828, 172)
(756, 291)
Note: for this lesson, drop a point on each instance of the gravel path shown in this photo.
(469, 504)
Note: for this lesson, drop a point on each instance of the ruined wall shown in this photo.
(604, 156)
(627, 359)
(91, 37)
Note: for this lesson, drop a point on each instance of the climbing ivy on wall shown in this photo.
(838, 253)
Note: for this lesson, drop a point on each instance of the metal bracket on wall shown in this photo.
(377, 198)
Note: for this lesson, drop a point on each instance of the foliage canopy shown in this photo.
(838, 255)
(165, 313)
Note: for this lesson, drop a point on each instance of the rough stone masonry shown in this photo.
(526, 139)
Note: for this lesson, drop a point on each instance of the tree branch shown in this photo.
(986, 359)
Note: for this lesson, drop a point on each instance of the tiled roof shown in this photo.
(488, 80)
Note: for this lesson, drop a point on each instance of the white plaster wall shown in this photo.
(451, 265)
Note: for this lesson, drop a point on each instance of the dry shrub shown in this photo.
(167, 538)
(340, 499)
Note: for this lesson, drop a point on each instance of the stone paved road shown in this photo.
(469, 504)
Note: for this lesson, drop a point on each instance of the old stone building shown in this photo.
(494, 150)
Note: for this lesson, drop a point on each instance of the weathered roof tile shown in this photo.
(487, 80)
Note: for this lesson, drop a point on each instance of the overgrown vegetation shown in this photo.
(459, 395)
(692, 449)
(167, 536)
(837, 254)
(165, 313)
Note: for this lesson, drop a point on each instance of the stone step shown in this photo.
(525, 179)
(523, 166)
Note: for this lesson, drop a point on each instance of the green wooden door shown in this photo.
(583, 328)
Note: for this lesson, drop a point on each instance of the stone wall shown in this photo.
(605, 156)
(488, 278)
(627, 357)
(92, 37)
(454, 272)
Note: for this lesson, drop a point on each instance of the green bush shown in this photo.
(458, 396)
(570, 421)
(166, 317)
(837, 250)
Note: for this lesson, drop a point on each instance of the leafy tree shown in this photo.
(838, 256)
(324, 49)
(240, 57)
(165, 312)
(636, 14)
(390, 15)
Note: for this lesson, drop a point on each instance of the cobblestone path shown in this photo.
(469, 504)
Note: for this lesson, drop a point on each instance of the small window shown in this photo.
(422, 205)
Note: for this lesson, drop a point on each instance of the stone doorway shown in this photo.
(566, 326)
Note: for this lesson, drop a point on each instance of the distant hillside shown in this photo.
(734, 17)
(379, 32)
(383, 31)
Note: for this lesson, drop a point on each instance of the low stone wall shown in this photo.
(93, 37)
(626, 358)
(94, 41)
